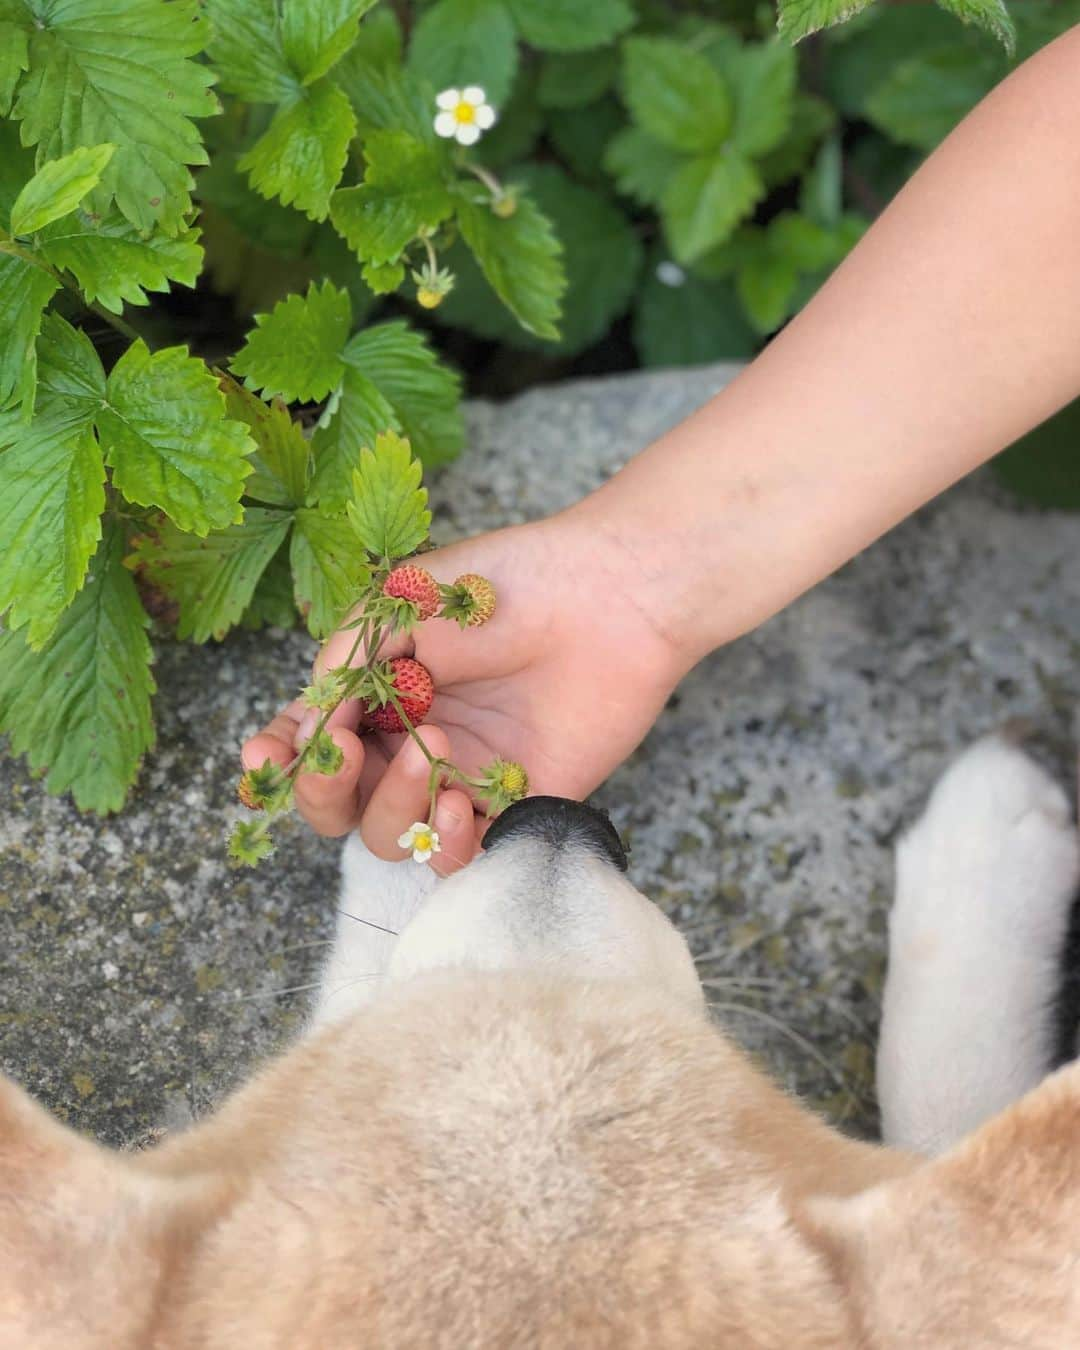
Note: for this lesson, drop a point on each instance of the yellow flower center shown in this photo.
(422, 842)
(513, 779)
(465, 112)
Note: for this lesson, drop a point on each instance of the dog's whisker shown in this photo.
(357, 919)
(807, 1048)
(301, 946)
(276, 993)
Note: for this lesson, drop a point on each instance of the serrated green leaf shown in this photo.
(582, 136)
(272, 604)
(328, 567)
(383, 278)
(821, 195)
(424, 393)
(762, 77)
(115, 264)
(272, 226)
(806, 244)
(360, 414)
(282, 458)
(811, 120)
(212, 579)
(25, 290)
(705, 199)
(766, 286)
(402, 193)
(568, 25)
(120, 73)
(990, 15)
(385, 97)
(52, 494)
(295, 350)
(640, 166)
(800, 18)
(521, 259)
(685, 321)
(675, 95)
(69, 368)
(94, 726)
(58, 187)
(462, 42)
(576, 79)
(923, 98)
(388, 511)
(14, 59)
(246, 50)
(316, 34)
(301, 156)
(168, 442)
(16, 166)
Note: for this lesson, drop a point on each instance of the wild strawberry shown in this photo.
(502, 783)
(414, 686)
(245, 790)
(470, 600)
(416, 585)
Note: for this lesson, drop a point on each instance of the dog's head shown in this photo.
(532, 1138)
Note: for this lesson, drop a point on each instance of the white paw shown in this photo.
(984, 885)
(377, 900)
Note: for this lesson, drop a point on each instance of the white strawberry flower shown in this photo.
(463, 114)
(422, 839)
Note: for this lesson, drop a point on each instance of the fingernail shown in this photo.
(307, 726)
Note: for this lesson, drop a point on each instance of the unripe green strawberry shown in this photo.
(415, 688)
(470, 600)
(415, 584)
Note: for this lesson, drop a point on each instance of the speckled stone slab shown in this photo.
(140, 977)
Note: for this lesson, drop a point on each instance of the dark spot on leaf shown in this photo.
(155, 201)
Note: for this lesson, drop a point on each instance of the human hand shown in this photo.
(566, 678)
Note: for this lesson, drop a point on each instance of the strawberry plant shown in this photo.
(236, 235)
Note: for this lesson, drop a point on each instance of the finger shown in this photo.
(330, 803)
(455, 824)
(346, 714)
(274, 742)
(402, 794)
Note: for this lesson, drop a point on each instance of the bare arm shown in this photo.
(950, 330)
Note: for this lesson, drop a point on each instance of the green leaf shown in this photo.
(860, 56)
(401, 194)
(811, 120)
(119, 72)
(282, 458)
(245, 48)
(168, 441)
(383, 278)
(16, 166)
(358, 415)
(316, 34)
(682, 320)
(424, 393)
(762, 77)
(923, 98)
(301, 155)
(521, 259)
(115, 264)
(14, 59)
(807, 245)
(640, 166)
(514, 136)
(675, 95)
(576, 79)
(462, 42)
(295, 350)
(69, 367)
(388, 511)
(272, 604)
(800, 18)
(705, 199)
(581, 137)
(80, 709)
(990, 15)
(821, 196)
(569, 25)
(58, 187)
(329, 569)
(385, 97)
(212, 579)
(1044, 465)
(766, 286)
(52, 494)
(25, 290)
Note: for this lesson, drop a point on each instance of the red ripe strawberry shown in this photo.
(416, 584)
(415, 689)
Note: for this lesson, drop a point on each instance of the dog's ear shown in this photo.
(978, 1248)
(86, 1238)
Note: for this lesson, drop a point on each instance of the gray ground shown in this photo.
(139, 976)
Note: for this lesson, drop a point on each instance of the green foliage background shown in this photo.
(216, 220)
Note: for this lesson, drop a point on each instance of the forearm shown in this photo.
(950, 330)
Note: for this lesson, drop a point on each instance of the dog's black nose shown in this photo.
(557, 820)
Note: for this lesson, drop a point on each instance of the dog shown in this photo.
(511, 1124)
